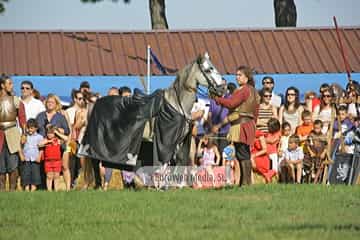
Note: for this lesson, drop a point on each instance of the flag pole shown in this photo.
(148, 70)
(341, 47)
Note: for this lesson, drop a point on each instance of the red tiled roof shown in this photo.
(124, 53)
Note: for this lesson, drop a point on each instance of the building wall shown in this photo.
(62, 86)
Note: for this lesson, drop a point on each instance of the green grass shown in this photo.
(256, 212)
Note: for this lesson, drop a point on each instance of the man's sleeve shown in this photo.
(235, 99)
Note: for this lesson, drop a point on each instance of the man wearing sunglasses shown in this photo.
(32, 105)
(268, 82)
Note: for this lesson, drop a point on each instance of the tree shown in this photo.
(157, 12)
(285, 13)
(2, 6)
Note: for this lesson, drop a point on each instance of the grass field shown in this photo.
(257, 212)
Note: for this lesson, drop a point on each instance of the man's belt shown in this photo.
(241, 119)
(7, 125)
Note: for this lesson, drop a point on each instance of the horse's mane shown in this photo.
(182, 75)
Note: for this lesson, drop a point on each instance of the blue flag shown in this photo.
(157, 62)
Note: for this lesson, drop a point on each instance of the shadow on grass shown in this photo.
(309, 226)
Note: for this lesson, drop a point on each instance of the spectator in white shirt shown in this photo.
(32, 105)
(268, 82)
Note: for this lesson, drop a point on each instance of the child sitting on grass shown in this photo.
(31, 155)
(52, 155)
(272, 142)
(293, 158)
(315, 151)
(284, 140)
(209, 156)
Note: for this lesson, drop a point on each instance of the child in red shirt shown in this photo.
(272, 142)
(52, 156)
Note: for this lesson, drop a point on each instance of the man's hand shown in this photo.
(215, 128)
(253, 163)
(23, 139)
(197, 115)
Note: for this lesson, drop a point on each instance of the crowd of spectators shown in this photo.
(293, 139)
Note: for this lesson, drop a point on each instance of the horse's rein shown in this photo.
(211, 85)
(179, 102)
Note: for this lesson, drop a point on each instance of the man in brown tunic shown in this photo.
(243, 107)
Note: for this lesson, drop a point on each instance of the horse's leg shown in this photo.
(97, 175)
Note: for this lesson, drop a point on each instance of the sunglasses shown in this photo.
(291, 94)
(27, 88)
(268, 82)
(326, 96)
(268, 95)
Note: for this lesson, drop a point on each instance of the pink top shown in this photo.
(208, 157)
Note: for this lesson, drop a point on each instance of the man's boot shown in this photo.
(245, 166)
(13, 177)
(2, 182)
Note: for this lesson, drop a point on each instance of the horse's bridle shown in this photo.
(211, 85)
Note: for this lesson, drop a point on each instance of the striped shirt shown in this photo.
(264, 115)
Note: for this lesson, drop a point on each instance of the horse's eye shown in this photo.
(208, 70)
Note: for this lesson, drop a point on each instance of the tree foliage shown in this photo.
(95, 1)
(2, 5)
(157, 12)
(285, 12)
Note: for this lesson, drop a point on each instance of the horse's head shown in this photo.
(211, 78)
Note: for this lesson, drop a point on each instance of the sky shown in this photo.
(181, 14)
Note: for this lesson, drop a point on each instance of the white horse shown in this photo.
(116, 125)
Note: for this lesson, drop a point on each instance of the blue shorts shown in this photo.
(30, 173)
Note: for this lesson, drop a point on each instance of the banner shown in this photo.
(157, 62)
(345, 169)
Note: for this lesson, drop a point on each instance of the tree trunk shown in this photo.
(157, 14)
(285, 13)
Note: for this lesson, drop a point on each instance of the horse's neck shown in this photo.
(182, 100)
(182, 94)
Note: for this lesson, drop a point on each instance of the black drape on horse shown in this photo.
(115, 135)
(116, 125)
